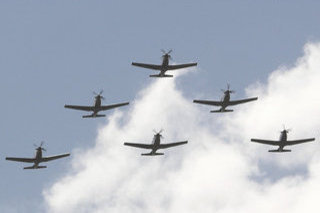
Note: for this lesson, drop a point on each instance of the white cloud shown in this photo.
(219, 170)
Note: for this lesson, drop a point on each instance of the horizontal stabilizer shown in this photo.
(160, 76)
(151, 154)
(218, 111)
(93, 116)
(277, 150)
(33, 167)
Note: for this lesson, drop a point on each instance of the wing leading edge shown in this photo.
(83, 108)
(231, 103)
(168, 145)
(139, 145)
(26, 160)
(180, 66)
(107, 107)
(289, 143)
(269, 142)
(213, 103)
(147, 66)
(46, 159)
(92, 108)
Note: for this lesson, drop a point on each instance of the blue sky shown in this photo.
(54, 53)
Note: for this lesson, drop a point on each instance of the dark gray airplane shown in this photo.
(38, 158)
(282, 142)
(96, 108)
(225, 101)
(155, 145)
(164, 67)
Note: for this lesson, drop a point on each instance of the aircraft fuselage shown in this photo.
(156, 143)
(97, 104)
(283, 139)
(38, 157)
(225, 100)
(165, 62)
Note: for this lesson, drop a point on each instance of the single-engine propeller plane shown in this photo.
(38, 158)
(155, 145)
(225, 101)
(164, 67)
(96, 108)
(282, 142)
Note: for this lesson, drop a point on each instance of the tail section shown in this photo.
(220, 110)
(151, 154)
(33, 167)
(93, 116)
(160, 76)
(278, 150)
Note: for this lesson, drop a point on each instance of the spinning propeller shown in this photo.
(286, 130)
(99, 94)
(228, 90)
(166, 53)
(158, 133)
(40, 147)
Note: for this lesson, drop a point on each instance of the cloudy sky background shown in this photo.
(59, 52)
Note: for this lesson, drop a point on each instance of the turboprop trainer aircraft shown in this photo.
(155, 145)
(164, 67)
(225, 101)
(96, 108)
(38, 158)
(282, 142)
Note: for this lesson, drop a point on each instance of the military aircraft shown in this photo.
(38, 158)
(225, 101)
(165, 65)
(282, 142)
(155, 145)
(96, 108)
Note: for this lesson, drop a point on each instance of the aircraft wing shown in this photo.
(83, 108)
(46, 159)
(113, 106)
(148, 66)
(179, 66)
(274, 143)
(139, 145)
(299, 141)
(213, 103)
(168, 145)
(242, 101)
(26, 160)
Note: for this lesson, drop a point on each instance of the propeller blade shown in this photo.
(163, 51)
(101, 91)
(169, 51)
